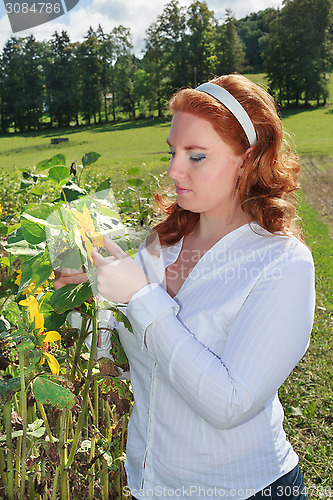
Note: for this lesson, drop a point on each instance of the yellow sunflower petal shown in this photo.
(52, 336)
(39, 322)
(33, 307)
(53, 363)
(18, 277)
(84, 220)
(98, 240)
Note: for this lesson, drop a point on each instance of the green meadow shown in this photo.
(307, 395)
(143, 141)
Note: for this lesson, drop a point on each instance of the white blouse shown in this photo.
(205, 366)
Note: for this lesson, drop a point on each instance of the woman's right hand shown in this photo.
(67, 276)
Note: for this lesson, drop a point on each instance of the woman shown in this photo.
(221, 301)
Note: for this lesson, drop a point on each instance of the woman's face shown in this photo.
(203, 167)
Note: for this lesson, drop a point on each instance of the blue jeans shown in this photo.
(288, 487)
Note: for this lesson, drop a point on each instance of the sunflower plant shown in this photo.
(51, 386)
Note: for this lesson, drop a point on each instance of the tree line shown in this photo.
(60, 82)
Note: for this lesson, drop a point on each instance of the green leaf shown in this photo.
(89, 158)
(8, 388)
(117, 352)
(51, 162)
(59, 174)
(34, 220)
(104, 186)
(71, 191)
(33, 232)
(25, 346)
(121, 318)
(70, 296)
(47, 392)
(36, 428)
(38, 268)
(3, 229)
(55, 321)
(37, 191)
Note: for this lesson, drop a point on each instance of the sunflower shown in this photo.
(89, 236)
(37, 318)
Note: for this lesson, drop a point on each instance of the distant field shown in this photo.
(143, 141)
(311, 129)
(118, 144)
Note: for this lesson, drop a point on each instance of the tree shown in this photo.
(295, 57)
(21, 84)
(113, 45)
(229, 48)
(89, 63)
(12, 85)
(33, 82)
(172, 32)
(166, 57)
(155, 65)
(61, 76)
(201, 25)
(253, 31)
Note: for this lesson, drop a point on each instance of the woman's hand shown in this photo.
(119, 276)
(66, 276)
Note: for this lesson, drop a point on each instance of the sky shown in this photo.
(134, 14)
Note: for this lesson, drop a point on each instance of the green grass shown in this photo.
(143, 141)
(310, 129)
(308, 391)
(130, 142)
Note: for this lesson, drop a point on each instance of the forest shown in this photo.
(60, 83)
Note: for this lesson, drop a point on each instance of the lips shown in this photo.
(182, 190)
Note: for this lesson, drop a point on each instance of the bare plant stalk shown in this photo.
(105, 481)
(64, 486)
(82, 415)
(92, 469)
(25, 427)
(78, 348)
(55, 483)
(45, 420)
(9, 444)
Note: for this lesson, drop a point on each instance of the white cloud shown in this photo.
(134, 14)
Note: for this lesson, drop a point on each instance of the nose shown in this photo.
(177, 168)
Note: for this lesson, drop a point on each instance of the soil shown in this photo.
(317, 184)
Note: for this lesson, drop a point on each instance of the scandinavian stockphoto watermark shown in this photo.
(25, 14)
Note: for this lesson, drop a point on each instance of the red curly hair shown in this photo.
(270, 170)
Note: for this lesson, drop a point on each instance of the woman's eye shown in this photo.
(197, 158)
(172, 154)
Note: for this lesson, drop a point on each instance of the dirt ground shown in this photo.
(317, 183)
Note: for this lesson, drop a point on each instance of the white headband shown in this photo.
(234, 106)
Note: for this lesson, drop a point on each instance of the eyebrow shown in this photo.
(189, 148)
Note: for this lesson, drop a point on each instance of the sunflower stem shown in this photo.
(25, 426)
(82, 415)
(10, 457)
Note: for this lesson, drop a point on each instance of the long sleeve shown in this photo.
(268, 337)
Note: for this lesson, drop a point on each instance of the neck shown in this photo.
(212, 228)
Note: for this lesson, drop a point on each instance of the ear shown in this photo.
(244, 159)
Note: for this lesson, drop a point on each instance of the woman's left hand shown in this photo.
(119, 276)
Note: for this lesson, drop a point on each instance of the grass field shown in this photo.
(143, 141)
(307, 395)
